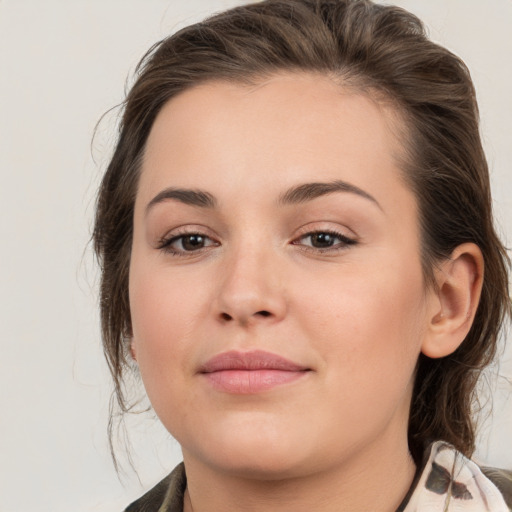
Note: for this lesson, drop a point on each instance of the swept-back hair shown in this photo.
(377, 49)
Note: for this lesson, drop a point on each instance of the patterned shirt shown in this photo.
(446, 482)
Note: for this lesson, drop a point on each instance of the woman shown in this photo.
(297, 250)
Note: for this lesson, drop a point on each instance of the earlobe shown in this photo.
(132, 350)
(459, 284)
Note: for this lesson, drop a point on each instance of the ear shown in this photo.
(133, 352)
(459, 284)
(128, 339)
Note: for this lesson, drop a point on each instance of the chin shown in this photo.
(261, 451)
(264, 465)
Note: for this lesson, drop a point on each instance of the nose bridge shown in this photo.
(251, 285)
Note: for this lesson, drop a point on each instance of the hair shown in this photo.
(374, 48)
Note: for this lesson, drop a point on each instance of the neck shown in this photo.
(377, 480)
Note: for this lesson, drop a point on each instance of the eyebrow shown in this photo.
(295, 195)
(309, 191)
(184, 195)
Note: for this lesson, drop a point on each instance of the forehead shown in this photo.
(288, 127)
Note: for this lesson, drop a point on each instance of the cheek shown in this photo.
(165, 312)
(370, 322)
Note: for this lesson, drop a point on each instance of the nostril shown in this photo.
(226, 317)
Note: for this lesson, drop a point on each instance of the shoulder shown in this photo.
(502, 479)
(166, 496)
(446, 476)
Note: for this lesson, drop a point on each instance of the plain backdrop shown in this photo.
(62, 65)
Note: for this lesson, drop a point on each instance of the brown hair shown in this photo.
(376, 48)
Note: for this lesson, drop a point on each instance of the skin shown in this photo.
(356, 315)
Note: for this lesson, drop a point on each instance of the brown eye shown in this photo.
(187, 243)
(322, 240)
(192, 242)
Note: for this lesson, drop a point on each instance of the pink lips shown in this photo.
(250, 372)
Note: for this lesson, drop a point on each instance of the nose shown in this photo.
(251, 289)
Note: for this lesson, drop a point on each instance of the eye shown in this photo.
(186, 243)
(324, 241)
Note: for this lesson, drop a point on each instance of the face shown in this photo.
(277, 298)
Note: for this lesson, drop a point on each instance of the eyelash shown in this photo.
(343, 243)
(165, 244)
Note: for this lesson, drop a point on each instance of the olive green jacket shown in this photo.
(445, 477)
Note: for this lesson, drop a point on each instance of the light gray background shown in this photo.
(62, 65)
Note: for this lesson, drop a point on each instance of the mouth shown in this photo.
(250, 372)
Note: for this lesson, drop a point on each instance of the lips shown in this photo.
(250, 372)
